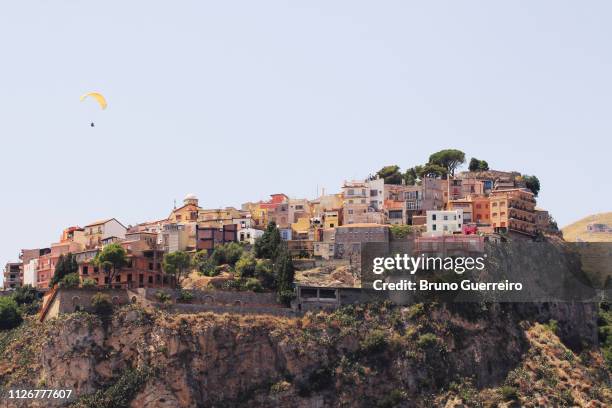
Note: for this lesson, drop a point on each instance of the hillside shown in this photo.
(359, 356)
(578, 230)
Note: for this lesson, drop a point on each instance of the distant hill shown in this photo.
(578, 230)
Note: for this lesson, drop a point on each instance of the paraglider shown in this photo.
(99, 98)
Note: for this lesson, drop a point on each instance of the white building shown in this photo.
(30, 273)
(101, 230)
(444, 222)
(249, 235)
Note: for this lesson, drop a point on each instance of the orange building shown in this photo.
(481, 210)
(513, 210)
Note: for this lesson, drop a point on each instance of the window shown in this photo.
(434, 227)
(502, 213)
(445, 227)
(363, 201)
(331, 225)
(373, 193)
(478, 206)
(150, 279)
(433, 217)
(151, 266)
(85, 270)
(494, 204)
(129, 277)
(118, 278)
(350, 211)
(459, 225)
(494, 214)
(129, 263)
(446, 218)
(351, 191)
(96, 269)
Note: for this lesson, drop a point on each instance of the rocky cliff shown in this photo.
(376, 355)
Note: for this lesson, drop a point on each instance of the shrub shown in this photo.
(553, 326)
(246, 265)
(279, 387)
(89, 283)
(185, 296)
(285, 297)
(9, 314)
(253, 284)
(374, 342)
(70, 281)
(162, 297)
(427, 340)
(392, 399)
(227, 254)
(102, 305)
(263, 272)
(509, 393)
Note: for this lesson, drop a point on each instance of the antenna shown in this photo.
(175, 203)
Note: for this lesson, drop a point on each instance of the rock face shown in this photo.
(376, 355)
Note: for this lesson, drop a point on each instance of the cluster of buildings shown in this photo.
(329, 227)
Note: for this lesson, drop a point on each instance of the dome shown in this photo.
(190, 197)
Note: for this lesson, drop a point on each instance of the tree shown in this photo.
(111, 259)
(27, 299)
(267, 245)
(102, 304)
(450, 159)
(284, 271)
(177, 264)
(391, 174)
(532, 183)
(411, 175)
(70, 281)
(66, 264)
(478, 165)
(245, 267)
(227, 254)
(432, 170)
(265, 274)
(9, 313)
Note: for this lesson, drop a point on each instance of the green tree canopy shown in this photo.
(449, 159)
(411, 175)
(112, 258)
(284, 271)
(532, 183)
(391, 174)
(27, 299)
(432, 170)
(177, 264)
(478, 165)
(267, 245)
(66, 264)
(9, 313)
(228, 254)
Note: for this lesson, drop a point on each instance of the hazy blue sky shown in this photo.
(234, 100)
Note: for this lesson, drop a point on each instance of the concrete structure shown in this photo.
(444, 222)
(465, 205)
(363, 201)
(177, 237)
(30, 272)
(597, 227)
(249, 235)
(348, 238)
(208, 237)
(513, 210)
(324, 249)
(481, 209)
(13, 275)
(99, 230)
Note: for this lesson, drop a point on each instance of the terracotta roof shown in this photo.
(99, 222)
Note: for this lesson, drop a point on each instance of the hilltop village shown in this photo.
(231, 248)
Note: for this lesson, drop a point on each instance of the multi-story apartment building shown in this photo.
(103, 229)
(444, 222)
(209, 237)
(13, 275)
(513, 210)
(464, 204)
(363, 201)
(188, 212)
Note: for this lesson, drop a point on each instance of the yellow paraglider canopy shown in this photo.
(98, 97)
